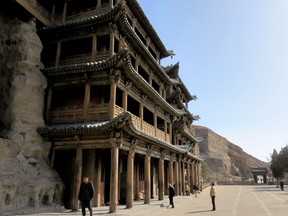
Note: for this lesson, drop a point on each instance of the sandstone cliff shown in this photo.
(26, 179)
(224, 161)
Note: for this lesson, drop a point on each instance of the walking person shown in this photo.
(213, 195)
(195, 189)
(171, 195)
(187, 189)
(85, 195)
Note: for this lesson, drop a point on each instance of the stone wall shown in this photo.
(26, 179)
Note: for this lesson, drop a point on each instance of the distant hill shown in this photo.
(224, 161)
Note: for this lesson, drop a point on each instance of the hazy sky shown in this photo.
(233, 55)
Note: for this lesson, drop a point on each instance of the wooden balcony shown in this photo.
(66, 114)
(83, 58)
(98, 112)
(146, 127)
(89, 12)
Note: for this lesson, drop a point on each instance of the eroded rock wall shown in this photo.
(225, 160)
(26, 179)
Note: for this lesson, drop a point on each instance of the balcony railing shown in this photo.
(66, 114)
(100, 112)
(146, 127)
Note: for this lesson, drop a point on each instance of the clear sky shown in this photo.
(233, 55)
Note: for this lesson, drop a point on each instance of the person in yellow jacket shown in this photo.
(187, 189)
(212, 195)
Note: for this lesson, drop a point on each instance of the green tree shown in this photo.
(276, 165)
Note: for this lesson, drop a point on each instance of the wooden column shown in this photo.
(97, 201)
(141, 116)
(155, 123)
(176, 177)
(180, 174)
(64, 12)
(191, 174)
(124, 100)
(130, 174)
(183, 177)
(170, 132)
(188, 175)
(86, 100)
(114, 178)
(161, 177)
(112, 39)
(137, 190)
(170, 172)
(48, 106)
(147, 174)
(112, 99)
(78, 174)
(94, 47)
(58, 53)
(165, 129)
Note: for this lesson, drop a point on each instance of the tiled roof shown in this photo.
(123, 121)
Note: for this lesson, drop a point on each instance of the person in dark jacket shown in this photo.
(171, 195)
(85, 195)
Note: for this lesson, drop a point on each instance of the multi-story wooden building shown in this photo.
(112, 111)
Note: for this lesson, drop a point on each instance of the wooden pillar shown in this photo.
(191, 173)
(78, 173)
(124, 100)
(170, 132)
(94, 47)
(112, 39)
(155, 123)
(165, 129)
(141, 115)
(147, 174)
(183, 177)
(161, 178)
(130, 174)
(112, 99)
(180, 173)
(58, 53)
(170, 172)
(48, 106)
(188, 175)
(86, 100)
(97, 201)
(176, 177)
(137, 190)
(114, 179)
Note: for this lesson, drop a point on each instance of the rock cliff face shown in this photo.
(26, 179)
(225, 161)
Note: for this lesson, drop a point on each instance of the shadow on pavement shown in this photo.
(194, 212)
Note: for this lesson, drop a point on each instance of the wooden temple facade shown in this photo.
(112, 112)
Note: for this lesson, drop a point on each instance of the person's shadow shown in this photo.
(202, 211)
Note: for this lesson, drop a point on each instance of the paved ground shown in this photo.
(258, 200)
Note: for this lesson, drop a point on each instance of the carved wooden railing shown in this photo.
(88, 12)
(37, 10)
(82, 58)
(146, 127)
(98, 112)
(66, 114)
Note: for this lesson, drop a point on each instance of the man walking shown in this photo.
(171, 195)
(212, 195)
(85, 195)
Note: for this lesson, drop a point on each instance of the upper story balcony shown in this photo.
(100, 112)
